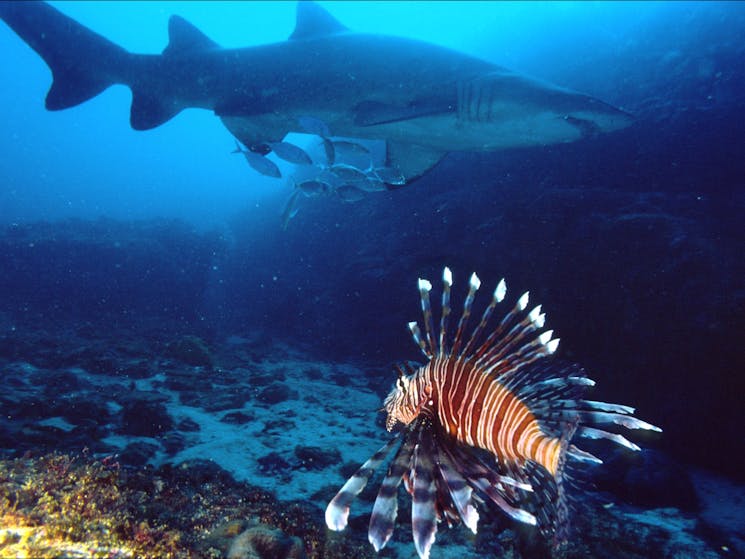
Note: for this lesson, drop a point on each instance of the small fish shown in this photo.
(352, 148)
(348, 173)
(328, 148)
(327, 176)
(290, 209)
(259, 163)
(313, 188)
(489, 419)
(350, 193)
(290, 153)
(313, 125)
(389, 175)
(371, 184)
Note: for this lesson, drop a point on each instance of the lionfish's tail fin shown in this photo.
(548, 501)
(560, 527)
(337, 511)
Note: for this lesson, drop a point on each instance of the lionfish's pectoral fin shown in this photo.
(506, 491)
(424, 496)
(458, 490)
(337, 511)
(385, 509)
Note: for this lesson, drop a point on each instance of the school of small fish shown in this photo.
(348, 182)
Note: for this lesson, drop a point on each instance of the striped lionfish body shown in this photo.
(490, 417)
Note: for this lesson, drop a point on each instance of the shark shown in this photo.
(422, 99)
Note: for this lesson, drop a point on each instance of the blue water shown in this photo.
(87, 162)
(634, 241)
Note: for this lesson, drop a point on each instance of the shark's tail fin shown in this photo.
(83, 63)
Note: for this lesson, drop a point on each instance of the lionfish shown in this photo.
(491, 418)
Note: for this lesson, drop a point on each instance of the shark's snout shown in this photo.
(599, 116)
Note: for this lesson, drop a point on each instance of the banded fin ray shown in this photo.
(489, 482)
(447, 282)
(474, 283)
(385, 509)
(337, 511)
(423, 492)
(459, 490)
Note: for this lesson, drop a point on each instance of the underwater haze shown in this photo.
(200, 323)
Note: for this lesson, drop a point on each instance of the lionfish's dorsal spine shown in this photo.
(447, 282)
(512, 339)
(497, 297)
(416, 333)
(424, 288)
(473, 286)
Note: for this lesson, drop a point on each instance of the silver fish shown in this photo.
(348, 172)
(259, 163)
(389, 175)
(329, 177)
(313, 188)
(328, 147)
(290, 153)
(350, 147)
(350, 193)
(372, 184)
(290, 209)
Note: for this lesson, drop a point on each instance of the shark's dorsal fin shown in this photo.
(313, 21)
(184, 37)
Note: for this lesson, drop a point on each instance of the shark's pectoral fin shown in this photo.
(412, 160)
(370, 113)
(259, 129)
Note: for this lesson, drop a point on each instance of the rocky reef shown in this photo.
(60, 505)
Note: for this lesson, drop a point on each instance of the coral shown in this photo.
(59, 505)
(265, 542)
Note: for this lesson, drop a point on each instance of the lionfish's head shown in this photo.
(403, 403)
